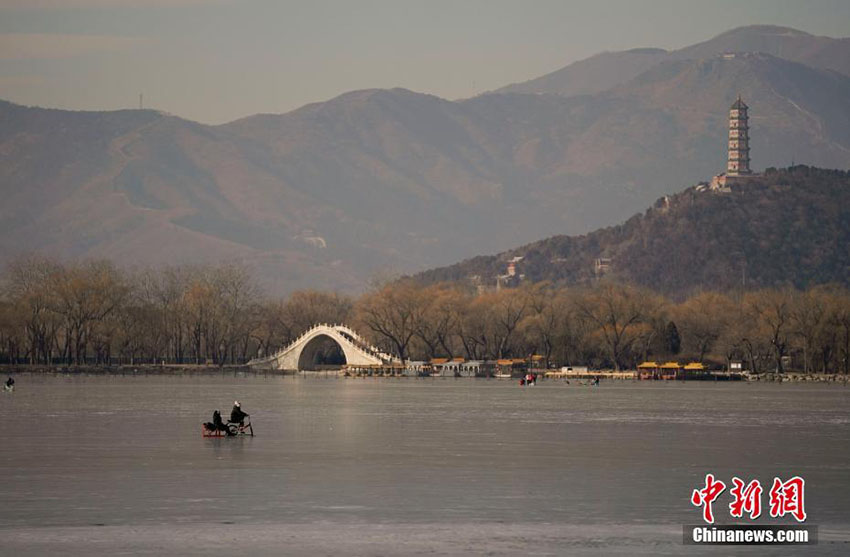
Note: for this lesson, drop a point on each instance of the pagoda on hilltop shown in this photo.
(738, 161)
(739, 140)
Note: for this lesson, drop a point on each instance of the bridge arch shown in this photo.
(321, 352)
(332, 344)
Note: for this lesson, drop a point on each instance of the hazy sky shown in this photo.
(218, 60)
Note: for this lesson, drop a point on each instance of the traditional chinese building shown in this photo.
(738, 160)
(511, 278)
(739, 140)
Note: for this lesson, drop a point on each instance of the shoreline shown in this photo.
(147, 369)
(194, 369)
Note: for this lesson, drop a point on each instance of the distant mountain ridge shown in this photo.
(384, 181)
(825, 53)
(592, 75)
(610, 69)
(789, 227)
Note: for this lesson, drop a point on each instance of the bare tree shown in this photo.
(85, 294)
(547, 323)
(772, 309)
(306, 308)
(619, 313)
(841, 318)
(437, 322)
(392, 313)
(28, 284)
(471, 325)
(507, 308)
(808, 317)
(702, 319)
(236, 293)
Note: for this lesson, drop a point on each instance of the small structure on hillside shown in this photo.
(511, 278)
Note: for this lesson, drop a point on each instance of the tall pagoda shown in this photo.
(739, 140)
(738, 163)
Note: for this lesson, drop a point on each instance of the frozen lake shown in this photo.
(101, 464)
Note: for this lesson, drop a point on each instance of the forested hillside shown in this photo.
(787, 227)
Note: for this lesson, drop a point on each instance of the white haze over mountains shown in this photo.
(392, 180)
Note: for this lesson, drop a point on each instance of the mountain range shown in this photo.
(385, 181)
(609, 69)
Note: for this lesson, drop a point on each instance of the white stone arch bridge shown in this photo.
(304, 352)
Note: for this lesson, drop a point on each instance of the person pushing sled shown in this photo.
(239, 424)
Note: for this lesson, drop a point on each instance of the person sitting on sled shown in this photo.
(237, 416)
(219, 425)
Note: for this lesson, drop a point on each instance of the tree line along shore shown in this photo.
(91, 314)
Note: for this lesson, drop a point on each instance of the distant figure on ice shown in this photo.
(10, 384)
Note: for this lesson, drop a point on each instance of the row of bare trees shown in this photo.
(613, 325)
(93, 313)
